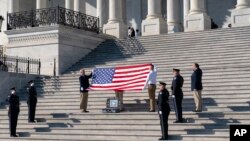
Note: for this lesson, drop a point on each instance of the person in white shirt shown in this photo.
(151, 83)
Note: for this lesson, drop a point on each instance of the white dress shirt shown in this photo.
(152, 77)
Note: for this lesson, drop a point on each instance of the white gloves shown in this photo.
(160, 112)
(81, 88)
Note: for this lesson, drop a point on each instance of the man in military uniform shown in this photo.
(13, 112)
(84, 85)
(32, 100)
(177, 94)
(163, 110)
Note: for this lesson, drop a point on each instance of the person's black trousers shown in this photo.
(32, 110)
(13, 117)
(179, 108)
(164, 124)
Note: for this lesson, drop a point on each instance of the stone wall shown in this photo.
(65, 44)
(9, 80)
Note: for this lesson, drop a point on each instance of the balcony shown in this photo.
(52, 16)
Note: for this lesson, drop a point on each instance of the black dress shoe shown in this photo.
(162, 139)
(178, 121)
(13, 136)
(151, 110)
(86, 111)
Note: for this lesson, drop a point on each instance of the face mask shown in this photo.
(12, 92)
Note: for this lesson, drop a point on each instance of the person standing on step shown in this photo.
(151, 83)
(119, 96)
(177, 94)
(13, 112)
(163, 110)
(84, 85)
(32, 100)
(196, 86)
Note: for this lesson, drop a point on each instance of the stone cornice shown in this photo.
(52, 34)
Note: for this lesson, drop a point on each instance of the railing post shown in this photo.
(39, 67)
(16, 65)
(28, 67)
(98, 25)
(54, 71)
(58, 14)
(4, 59)
(31, 18)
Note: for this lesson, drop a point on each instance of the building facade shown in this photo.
(151, 17)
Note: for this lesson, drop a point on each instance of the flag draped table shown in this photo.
(126, 78)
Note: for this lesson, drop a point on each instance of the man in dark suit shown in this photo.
(196, 86)
(177, 94)
(13, 112)
(163, 110)
(32, 100)
(84, 85)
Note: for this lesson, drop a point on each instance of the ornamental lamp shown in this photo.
(1, 22)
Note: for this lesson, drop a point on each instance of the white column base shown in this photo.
(154, 27)
(174, 27)
(240, 17)
(197, 22)
(117, 29)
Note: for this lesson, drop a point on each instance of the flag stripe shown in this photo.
(121, 85)
(129, 79)
(132, 71)
(130, 67)
(129, 76)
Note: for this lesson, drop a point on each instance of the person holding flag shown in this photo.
(151, 83)
(84, 85)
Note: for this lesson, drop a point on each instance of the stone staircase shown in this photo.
(222, 54)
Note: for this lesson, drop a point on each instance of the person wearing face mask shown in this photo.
(32, 100)
(13, 112)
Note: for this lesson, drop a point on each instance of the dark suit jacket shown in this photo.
(176, 87)
(162, 101)
(32, 95)
(196, 80)
(13, 104)
(84, 82)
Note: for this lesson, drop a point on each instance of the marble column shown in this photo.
(69, 4)
(154, 23)
(13, 6)
(115, 25)
(240, 16)
(41, 4)
(102, 10)
(197, 18)
(77, 5)
(173, 18)
(186, 8)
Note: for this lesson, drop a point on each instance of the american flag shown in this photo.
(127, 78)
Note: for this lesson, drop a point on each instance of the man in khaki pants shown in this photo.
(84, 85)
(196, 86)
(151, 82)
